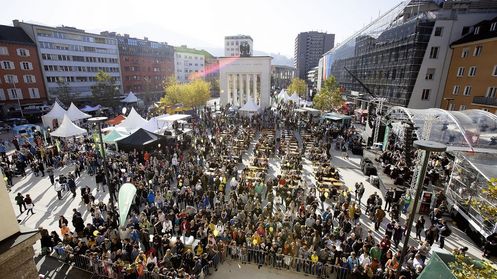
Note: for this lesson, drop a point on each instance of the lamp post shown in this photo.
(98, 121)
(427, 147)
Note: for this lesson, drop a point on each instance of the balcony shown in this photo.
(487, 101)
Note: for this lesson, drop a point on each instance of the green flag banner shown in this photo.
(126, 196)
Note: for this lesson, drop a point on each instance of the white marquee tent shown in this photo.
(131, 98)
(75, 114)
(250, 106)
(68, 129)
(56, 113)
(283, 96)
(133, 121)
(294, 98)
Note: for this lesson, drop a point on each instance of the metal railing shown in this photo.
(481, 100)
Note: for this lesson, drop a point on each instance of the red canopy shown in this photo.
(115, 121)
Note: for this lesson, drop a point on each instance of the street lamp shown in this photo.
(428, 147)
(98, 121)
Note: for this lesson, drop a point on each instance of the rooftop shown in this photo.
(185, 49)
(484, 32)
(14, 35)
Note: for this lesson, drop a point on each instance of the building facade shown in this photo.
(309, 47)
(73, 57)
(245, 78)
(232, 45)
(281, 76)
(472, 75)
(145, 65)
(211, 73)
(188, 63)
(404, 55)
(21, 79)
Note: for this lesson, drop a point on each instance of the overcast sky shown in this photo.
(273, 24)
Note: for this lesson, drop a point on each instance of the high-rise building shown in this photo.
(145, 65)
(73, 57)
(21, 79)
(188, 63)
(472, 76)
(309, 47)
(404, 55)
(232, 45)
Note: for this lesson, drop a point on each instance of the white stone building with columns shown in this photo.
(244, 78)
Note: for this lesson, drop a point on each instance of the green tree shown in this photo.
(63, 92)
(104, 90)
(485, 202)
(298, 86)
(193, 94)
(329, 97)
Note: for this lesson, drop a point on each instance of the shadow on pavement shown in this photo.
(51, 268)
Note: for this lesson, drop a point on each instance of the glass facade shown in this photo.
(385, 55)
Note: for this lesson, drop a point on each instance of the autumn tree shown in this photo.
(463, 267)
(193, 94)
(486, 202)
(329, 97)
(298, 86)
(104, 90)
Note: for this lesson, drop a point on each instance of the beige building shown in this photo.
(472, 76)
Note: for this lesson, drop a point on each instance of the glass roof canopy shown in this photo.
(468, 130)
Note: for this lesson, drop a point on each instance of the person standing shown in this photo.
(361, 191)
(50, 173)
(29, 204)
(41, 168)
(20, 202)
(389, 199)
(58, 189)
(420, 225)
(72, 185)
(445, 231)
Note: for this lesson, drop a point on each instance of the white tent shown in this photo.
(75, 114)
(250, 106)
(295, 98)
(133, 122)
(154, 124)
(88, 108)
(68, 129)
(173, 117)
(283, 96)
(57, 112)
(131, 98)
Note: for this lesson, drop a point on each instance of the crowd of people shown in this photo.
(195, 206)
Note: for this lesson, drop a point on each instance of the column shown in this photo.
(254, 87)
(247, 85)
(235, 93)
(240, 89)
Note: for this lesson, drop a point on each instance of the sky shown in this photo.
(273, 24)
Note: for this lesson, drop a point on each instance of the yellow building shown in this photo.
(472, 76)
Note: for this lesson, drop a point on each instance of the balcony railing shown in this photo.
(489, 101)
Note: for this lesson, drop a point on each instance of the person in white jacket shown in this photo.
(58, 189)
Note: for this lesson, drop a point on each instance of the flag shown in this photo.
(126, 196)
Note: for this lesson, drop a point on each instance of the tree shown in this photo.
(485, 202)
(63, 92)
(329, 97)
(466, 268)
(105, 90)
(193, 94)
(298, 86)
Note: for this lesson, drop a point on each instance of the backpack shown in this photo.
(447, 232)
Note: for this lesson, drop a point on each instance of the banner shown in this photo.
(126, 196)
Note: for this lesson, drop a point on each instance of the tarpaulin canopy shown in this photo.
(131, 98)
(68, 129)
(88, 108)
(250, 106)
(437, 266)
(56, 113)
(116, 120)
(335, 116)
(114, 136)
(283, 96)
(75, 114)
(133, 121)
(142, 139)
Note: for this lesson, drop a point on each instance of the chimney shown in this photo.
(16, 22)
(145, 38)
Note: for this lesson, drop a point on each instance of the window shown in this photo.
(426, 94)
(438, 31)
(492, 92)
(15, 93)
(494, 73)
(2, 95)
(455, 90)
(434, 53)
(462, 107)
(430, 73)
(29, 79)
(467, 90)
(26, 65)
(4, 51)
(493, 26)
(465, 52)
(477, 30)
(451, 106)
(34, 93)
(7, 65)
(477, 51)
(11, 79)
(460, 71)
(472, 71)
(23, 52)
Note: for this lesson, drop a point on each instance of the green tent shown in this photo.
(438, 267)
(114, 136)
